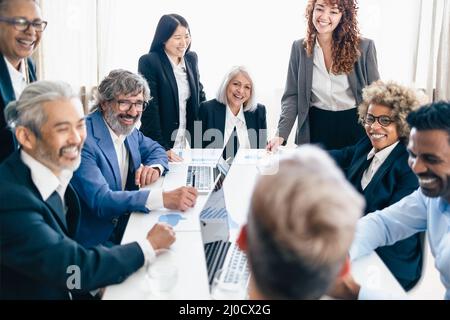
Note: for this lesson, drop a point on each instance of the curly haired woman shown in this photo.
(377, 166)
(327, 71)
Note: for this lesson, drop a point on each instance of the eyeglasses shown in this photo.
(384, 121)
(125, 105)
(22, 24)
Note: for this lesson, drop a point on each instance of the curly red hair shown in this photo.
(346, 36)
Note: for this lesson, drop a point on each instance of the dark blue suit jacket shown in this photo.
(162, 117)
(98, 183)
(393, 181)
(37, 246)
(212, 115)
(6, 96)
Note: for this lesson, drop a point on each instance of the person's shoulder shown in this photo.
(151, 57)
(191, 56)
(260, 107)
(210, 104)
(366, 43)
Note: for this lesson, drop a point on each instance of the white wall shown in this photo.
(257, 34)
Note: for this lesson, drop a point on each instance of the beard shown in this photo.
(49, 158)
(112, 119)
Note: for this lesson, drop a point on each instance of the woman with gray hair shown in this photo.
(377, 166)
(234, 111)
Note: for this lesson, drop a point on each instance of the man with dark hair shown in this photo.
(117, 159)
(40, 212)
(426, 209)
(21, 28)
(297, 238)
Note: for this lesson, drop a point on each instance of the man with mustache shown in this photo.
(117, 159)
(21, 28)
(426, 209)
(40, 211)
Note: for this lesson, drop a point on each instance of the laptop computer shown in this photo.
(221, 252)
(204, 176)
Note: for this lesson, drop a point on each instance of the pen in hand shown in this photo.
(193, 178)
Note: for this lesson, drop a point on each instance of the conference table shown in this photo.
(188, 252)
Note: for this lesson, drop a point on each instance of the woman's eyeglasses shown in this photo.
(384, 121)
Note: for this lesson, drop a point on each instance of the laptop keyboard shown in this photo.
(202, 179)
(216, 253)
(237, 265)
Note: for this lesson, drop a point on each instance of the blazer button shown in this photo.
(176, 123)
(115, 221)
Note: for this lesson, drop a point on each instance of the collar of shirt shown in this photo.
(44, 179)
(18, 77)
(381, 155)
(117, 139)
(237, 120)
(181, 65)
(122, 154)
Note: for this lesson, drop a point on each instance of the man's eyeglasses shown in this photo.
(125, 105)
(384, 121)
(22, 24)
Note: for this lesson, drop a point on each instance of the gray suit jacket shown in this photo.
(296, 99)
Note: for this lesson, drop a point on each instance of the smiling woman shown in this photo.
(21, 27)
(377, 167)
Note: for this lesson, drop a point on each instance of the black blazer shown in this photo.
(6, 96)
(212, 115)
(162, 117)
(393, 181)
(37, 246)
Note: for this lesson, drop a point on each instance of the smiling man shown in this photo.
(21, 28)
(117, 159)
(427, 209)
(40, 212)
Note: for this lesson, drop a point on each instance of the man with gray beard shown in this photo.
(117, 159)
(40, 211)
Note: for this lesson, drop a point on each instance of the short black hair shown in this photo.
(433, 116)
(165, 29)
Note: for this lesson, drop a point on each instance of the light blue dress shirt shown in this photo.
(412, 214)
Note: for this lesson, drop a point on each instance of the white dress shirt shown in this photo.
(237, 121)
(329, 91)
(18, 77)
(184, 93)
(378, 159)
(44, 179)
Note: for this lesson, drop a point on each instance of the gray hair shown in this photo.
(119, 82)
(250, 104)
(5, 3)
(301, 225)
(28, 110)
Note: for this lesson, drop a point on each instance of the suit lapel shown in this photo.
(191, 79)
(73, 212)
(168, 70)
(133, 149)
(101, 133)
(390, 160)
(31, 70)
(219, 118)
(361, 157)
(54, 202)
(250, 122)
(6, 87)
(309, 63)
(352, 82)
